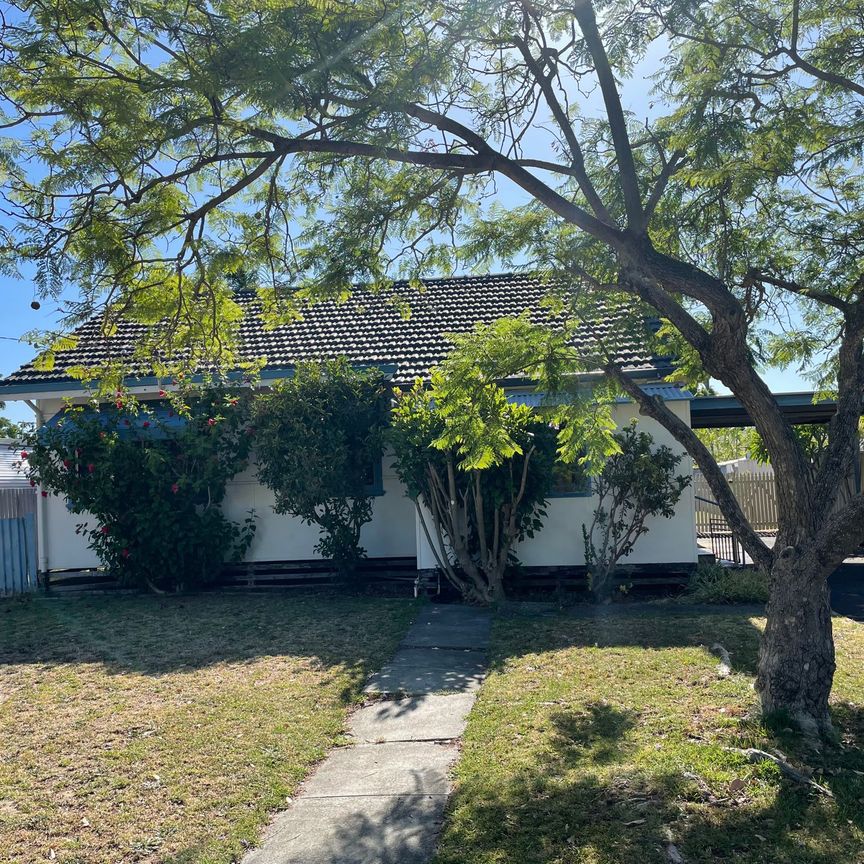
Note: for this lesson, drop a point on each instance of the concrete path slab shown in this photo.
(450, 627)
(433, 717)
(416, 671)
(382, 800)
(402, 768)
(366, 830)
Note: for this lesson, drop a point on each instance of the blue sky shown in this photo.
(19, 318)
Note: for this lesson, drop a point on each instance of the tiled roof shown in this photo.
(369, 329)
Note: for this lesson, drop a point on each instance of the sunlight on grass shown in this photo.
(601, 742)
(138, 729)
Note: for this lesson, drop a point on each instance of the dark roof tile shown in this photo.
(370, 329)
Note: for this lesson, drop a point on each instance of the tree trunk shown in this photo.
(796, 658)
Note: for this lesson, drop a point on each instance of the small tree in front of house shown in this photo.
(318, 437)
(153, 483)
(637, 483)
(473, 510)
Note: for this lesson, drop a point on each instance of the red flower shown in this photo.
(211, 422)
(175, 488)
(128, 422)
(104, 529)
(162, 393)
(44, 494)
(146, 424)
(32, 482)
(90, 468)
(119, 403)
(24, 454)
(66, 463)
(125, 553)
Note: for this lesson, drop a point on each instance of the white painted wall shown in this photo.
(394, 530)
(559, 543)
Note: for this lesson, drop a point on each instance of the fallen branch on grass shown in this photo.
(756, 756)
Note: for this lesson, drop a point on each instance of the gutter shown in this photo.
(41, 512)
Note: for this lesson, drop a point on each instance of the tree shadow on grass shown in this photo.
(552, 813)
(166, 635)
(518, 634)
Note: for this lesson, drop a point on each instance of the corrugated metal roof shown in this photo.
(10, 476)
(667, 392)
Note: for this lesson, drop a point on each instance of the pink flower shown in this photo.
(162, 393)
(90, 467)
(146, 424)
(119, 403)
(102, 435)
(175, 488)
(66, 463)
(211, 422)
(44, 494)
(104, 530)
(24, 454)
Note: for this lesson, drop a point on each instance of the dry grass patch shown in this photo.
(605, 741)
(139, 729)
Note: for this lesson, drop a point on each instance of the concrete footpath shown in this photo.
(382, 800)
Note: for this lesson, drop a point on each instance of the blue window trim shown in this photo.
(376, 488)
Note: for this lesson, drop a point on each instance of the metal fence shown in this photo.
(18, 564)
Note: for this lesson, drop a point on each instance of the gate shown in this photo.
(17, 541)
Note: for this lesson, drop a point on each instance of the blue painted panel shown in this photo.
(18, 555)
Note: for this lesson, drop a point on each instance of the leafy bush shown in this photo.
(318, 437)
(153, 486)
(636, 483)
(712, 583)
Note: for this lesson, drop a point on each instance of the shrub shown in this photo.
(636, 483)
(153, 486)
(318, 437)
(712, 583)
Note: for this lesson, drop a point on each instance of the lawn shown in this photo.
(605, 741)
(143, 729)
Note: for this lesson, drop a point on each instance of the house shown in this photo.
(369, 330)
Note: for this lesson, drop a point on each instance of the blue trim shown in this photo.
(160, 419)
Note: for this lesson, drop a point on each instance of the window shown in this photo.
(570, 481)
(374, 477)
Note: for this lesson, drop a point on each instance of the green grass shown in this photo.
(602, 741)
(141, 729)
